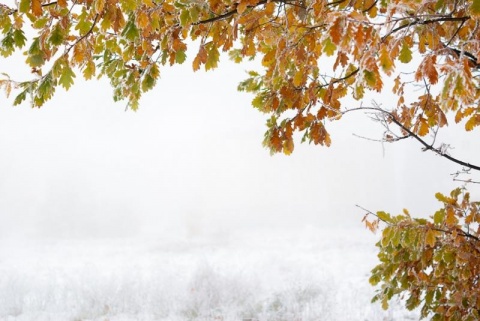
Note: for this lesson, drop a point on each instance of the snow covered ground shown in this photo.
(282, 275)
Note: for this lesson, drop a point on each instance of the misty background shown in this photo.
(191, 160)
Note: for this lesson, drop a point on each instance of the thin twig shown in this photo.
(426, 146)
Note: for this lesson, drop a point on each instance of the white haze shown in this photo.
(192, 154)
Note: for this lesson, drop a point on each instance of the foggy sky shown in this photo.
(191, 158)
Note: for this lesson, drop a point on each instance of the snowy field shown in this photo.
(303, 275)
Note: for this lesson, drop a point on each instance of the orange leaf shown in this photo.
(451, 220)
(142, 19)
(269, 8)
(342, 59)
(242, 6)
(37, 7)
(336, 31)
(423, 129)
(430, 70)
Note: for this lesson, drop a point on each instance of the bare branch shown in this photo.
(426, 147)
(425, 22)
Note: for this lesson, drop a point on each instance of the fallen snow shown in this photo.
(309, 274)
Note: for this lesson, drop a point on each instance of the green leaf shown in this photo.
(150, 78)
(194, 13)
(456, 192)
(36, 60)
(67, 76)
(128, 5)
(441, 197)
(370, 78)
(180, 57)
(7, 45)
(56, 36)
(89, 70)
(19, 37)
(20, 97)
(24, 6)
(475, 7)
(40, 23)
(385, 303)
(259, 101)
(34, 47)
(448, 256)
(83, 24)
(439, 5)
(213, 57)
(148, 82)
(133, 105)
(412, 302)
(429, 296)
(405, 53)
(329, 47)
(386, 236)
(439, 217)
(45, 88)
(184, 18)
(384, 216)
(130, 32)
(374, 279)
(236, 55)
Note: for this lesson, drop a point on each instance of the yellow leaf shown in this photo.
(430, 238)
(89, 70)
(298, 78)
(148, 3)
(288, 146)
(99, 6)
(386, 61)
(269, 58)
(373, 12)
(473, 122)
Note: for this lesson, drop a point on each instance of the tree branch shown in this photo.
(426, 146)
(426, 22)
(95, 20)
(337, 80)
(459, 230)
(12, 11)
(232, 12)
(229, 13)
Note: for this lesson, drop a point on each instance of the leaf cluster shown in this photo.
(128, 41)
(433, 264)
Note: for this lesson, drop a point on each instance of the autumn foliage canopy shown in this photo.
(313, 54)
